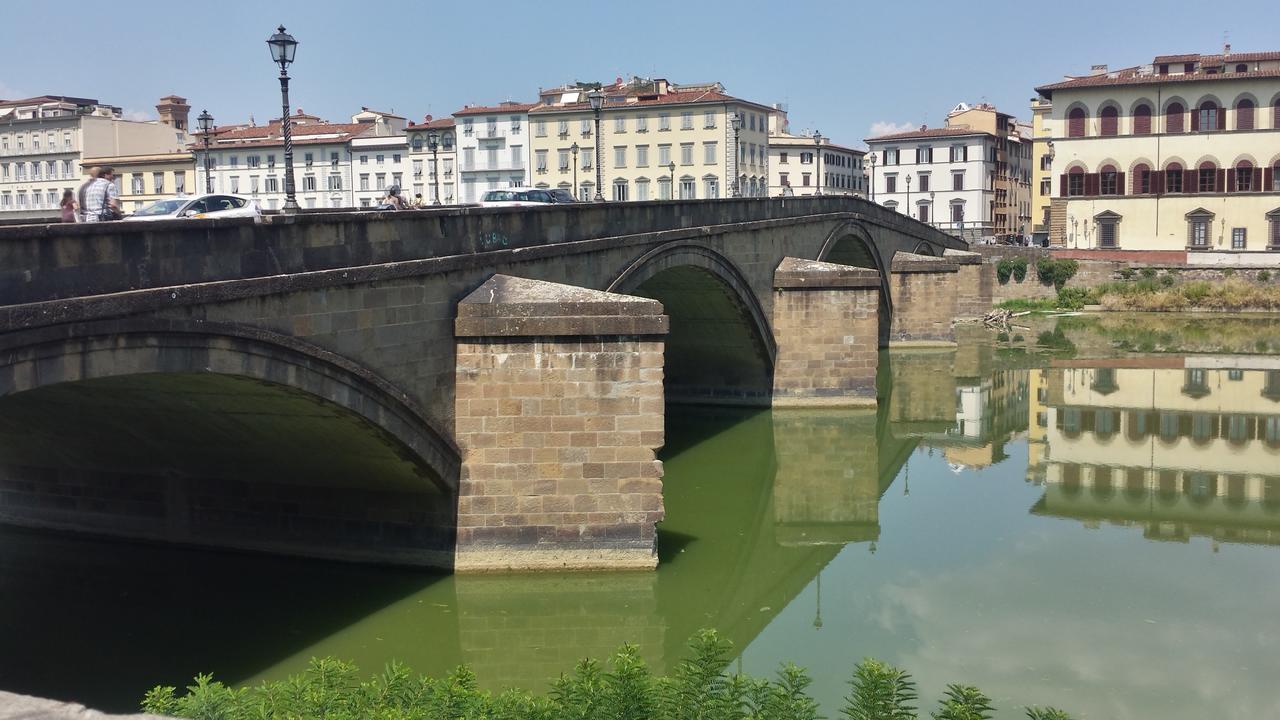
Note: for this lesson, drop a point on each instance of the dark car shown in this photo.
(560, 195)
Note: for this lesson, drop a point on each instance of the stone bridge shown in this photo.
(468, 388)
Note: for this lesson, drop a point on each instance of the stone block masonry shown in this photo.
(825, 324)
(558, 412)
(923, 288)
(974, 289)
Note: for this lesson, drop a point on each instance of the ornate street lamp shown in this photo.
(817, 159)
(205, 122)
(672, 168)
(283, 47)
(737, 128)
(872, 155)
(577, 192)
(933, 220)
(907, 209)
(596, 97)
(433, 143)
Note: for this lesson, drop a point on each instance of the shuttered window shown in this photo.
(1207, 180)
(1142, 120)
(1273, 231)
(1075, 182)
(1110, 118)
(1106, 233)
(1141, 179)
(1173, 118)
(1173, 178)
(1241, 180)
(1075, 122)
(1108, 181)
(1275, 115)
(1244, 114)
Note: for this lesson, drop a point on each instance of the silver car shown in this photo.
(214, 205)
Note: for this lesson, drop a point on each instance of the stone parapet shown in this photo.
(825, 324)
(974, 283)
(923, 289)
(558, 413)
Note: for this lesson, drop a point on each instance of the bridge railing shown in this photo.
(50, 262)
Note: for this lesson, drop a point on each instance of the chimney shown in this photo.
(173, 111)
(1098, 70)
(427, 118)
(1226, 48)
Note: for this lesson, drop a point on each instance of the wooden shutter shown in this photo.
(1222, 118)
(1257, 179)
(1173, 118)
(1110, 121)
(1275, 115)
(1190, 181)
(1221, 180)
(1092, 184)
(1119, 183)
(1244, 115)
(1195, 120)
(1062, 184)
(1157, 182)
(1142, 120)
(1268, 179)
(1075, 123)
(1231, 181)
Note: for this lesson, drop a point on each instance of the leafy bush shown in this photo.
(1126, 273)
(1148, 273)
(1264, 275)
(1196, 292)
(1019, 266)
(1056, 272)
(699, 688)
(1167, 280)
(1073, 298)
(1004, 269)
(1228, 273)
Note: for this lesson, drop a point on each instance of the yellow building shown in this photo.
(143, 179)
(658, 141)
(1177, 154)
(1041, 168)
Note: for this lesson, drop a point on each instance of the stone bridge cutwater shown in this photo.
(467, 388)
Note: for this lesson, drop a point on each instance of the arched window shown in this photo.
(1110, 117)
(1142, 120)
(1141, 179)
(1075, 181)
(1207, 178)
(1173, 117)
(1135, 483)
(1242, 178)
(1173, 178)
(1075, 122)
(1109, 180)
(1207, 117)
(417, 143)
(1244, 114)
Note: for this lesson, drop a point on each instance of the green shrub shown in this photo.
(1073, 298)
(1196, 292)
(1004, 269)
(1019, 269)
(699, 687)
(1056, 272)
(1126, 273)
(1228, 272)
(1167, 280)
(1264, 275)
(1147, 273)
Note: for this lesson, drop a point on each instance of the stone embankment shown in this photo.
(25, 707)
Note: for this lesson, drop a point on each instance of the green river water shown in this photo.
(1077, 512)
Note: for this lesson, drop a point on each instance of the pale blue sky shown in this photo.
(841, 67)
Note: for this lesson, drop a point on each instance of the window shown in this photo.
(273, 184)
(1075, 182)
(335, 182)
(563, 128)
(1273, 229)
(468, 127)
(890, 183)
(1141, 179)
(516, 125)
(1198, 222)
(253, 161)
(957, 181)
(924, 182)
(922, 212)
(664, 189)
(540, 161)
(1075, 122)
(417, 169)
(1106, 223)
(584, 126)
(417, 143)
(924, 155)
(1173, 178)
(783, 180)
(157, 183)
(563, 156)
(253, 184)
(1108, 180)
(891, 156)
(1173, 117)
(664, 155)
(688, 190)
(642, 156)
(620, 156)
(1242, 177)
(540, 127)
(381, 159)
(1142, 120)
(136, 188)
(1109, 121)
(620, 124)
(1207, 117)
(642, 123)
(364, 181)
(806, 179)
(180, 181)
(686, 153)
(588, 156)
(709, 119)
(957, 212)
(686, 120)
(619, 190)
(1238, 236)
(1244, 114)
(710, 187)
(642, 189)
(709, 153)
(1207, 180)
(308, 183)
(664, 121)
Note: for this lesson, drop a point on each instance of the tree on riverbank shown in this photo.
(698, 689)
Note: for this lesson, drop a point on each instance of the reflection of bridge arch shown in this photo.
(850, 244)
(720, 346)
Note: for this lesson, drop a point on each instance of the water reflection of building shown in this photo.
(1188, 449)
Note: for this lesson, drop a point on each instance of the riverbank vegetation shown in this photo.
(1159, 293)
(624, 689)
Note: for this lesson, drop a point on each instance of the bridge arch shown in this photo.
(850, 243)
(720, 347)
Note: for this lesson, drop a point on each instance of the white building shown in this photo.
(379, 157)
(433, 172)
(44, 140)
(493, 147)
(800, 166)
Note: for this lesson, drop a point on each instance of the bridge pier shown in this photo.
(923, 289)
(825, 324)
(973, 286)
(558, 412)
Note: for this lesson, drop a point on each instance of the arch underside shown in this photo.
(850, 245)
(207, 441)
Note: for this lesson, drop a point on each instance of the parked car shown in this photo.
(199, 206)
(517, 197)
(560, 195)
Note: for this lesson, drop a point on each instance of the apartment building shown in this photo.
(433, 154)
(379, 157)
(658, 141)
(45, 140)
(1041, 168)
(249, 160)
(971, 177)
(144, 179)
(808, 163)
(493, 147)
(1180, 153)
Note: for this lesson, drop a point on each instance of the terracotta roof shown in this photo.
(1185, 57)
(928, 133)
(1246, 57)
(494, 109)
(302, 134)
(619, 101)
(1133, 78)
(440, 124)
(49, 98)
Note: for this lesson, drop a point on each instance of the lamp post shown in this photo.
(672, 168)
(433, 143)
(817, 160)
(597, 104)
(737, 128)
(1073, 232)
(908, 195)
(574, 149)
(932, 219)
(205, 122)
(872, 155)
(283, 47)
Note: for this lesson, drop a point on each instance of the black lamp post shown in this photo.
(672, 168)
(933, 219)
(737, 128)
(908, 206)
(205, 122)
(433, 142)
(872, 155)
(817, 159)
(283, 47)
(577, 192)
(597, 105)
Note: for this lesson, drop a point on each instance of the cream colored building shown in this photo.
(144, 179)
(434, 174)
(1041, 167)
(45, 140)
(658, 141)
(797, 166)
(1180, 154)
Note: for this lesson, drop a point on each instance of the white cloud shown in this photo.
(885, 127)
(138, 115)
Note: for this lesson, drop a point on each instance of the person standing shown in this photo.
(68, 206)
(101, 198)
(93, 173)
